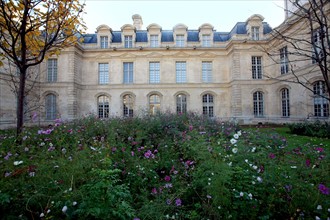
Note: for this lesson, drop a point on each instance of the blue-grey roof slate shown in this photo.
(193, 35)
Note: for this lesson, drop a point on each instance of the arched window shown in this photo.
(181, 104)
(50, 107)
(258, 104)
(208, 105)
(103, 106)
(321, 104)
(154, 104)
(128, 103)
(285, 99)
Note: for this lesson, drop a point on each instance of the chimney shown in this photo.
(137, 21)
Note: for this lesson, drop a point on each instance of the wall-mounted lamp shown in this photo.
(114, 48)
(141, 48)
(167, 47)
(194, 47)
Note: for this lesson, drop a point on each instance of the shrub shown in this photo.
(313, 129)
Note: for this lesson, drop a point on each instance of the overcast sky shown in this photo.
(222, 14)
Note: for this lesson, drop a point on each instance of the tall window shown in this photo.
(207, 72)
(52, 70)
(154, 104)
(154, 41)
(181, 74)
(50, 106)
(256, 68)
(208, 105)
(255, 33)
(181, 104)
(154, 72)
(128, 41)
(128, 72)
(206, 40)
(285, 103)
(103, 106)
(284, 60)
(318, 36)
(104, 42)
(258, 104)
(321, 104)
(103, 73)
(128, 103)
(179, 40)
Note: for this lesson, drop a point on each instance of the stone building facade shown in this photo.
(134, 71)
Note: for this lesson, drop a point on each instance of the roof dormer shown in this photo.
(104, 36)
(254, 27)
(154, 35)
(206, 35)
(180, 35)
(128, 35)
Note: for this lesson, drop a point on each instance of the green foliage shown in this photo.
(313, 129)
(162, 167)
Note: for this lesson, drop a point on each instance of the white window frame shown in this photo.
(181, 71)
(256, 67)
(154, 104)
(103, 73)
(128, 106)
(206, 40)
(181, 104)
(321, 104)
(128, 41)
(103, 106)
(128, 72)
(154, 41)
(207, 72)
(208, 105)
(285, 101)
(284, 60)
(104, 42)
(258, 104)
(52, 70)
(50, 106)
(255, 33)
(154, 72)
(179, 40)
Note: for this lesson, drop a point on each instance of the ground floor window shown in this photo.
(208, 105)
(128, 103)
(258, 104)
(50, 107)
(103, 106)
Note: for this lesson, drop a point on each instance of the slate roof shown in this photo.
(193, 35)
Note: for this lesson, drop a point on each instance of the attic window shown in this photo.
(104, 42)
(255, 33)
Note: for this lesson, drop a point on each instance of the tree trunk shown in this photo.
(20, 104)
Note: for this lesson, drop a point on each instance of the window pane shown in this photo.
(128, 41)
(103, 73)
(128, 104)
(179, 40)
(103, 107)
(128, 73)
(256, 68)
(104, 42)
(154, 41)
(154, 72)
(321, 104)
(52, 70)
(154, 104)
(207, 72)
(181, 104)
(181, 76)
(50, 107)
(208, 105)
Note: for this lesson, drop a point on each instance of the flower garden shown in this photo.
(162, 167)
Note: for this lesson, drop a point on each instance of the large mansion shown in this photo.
(136, 70)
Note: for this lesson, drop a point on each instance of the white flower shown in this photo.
(229, 164)
(259, 179)
(255, 167)
(239, 133)
(241, 194)
(294, 167)
(74, 203)
(48, 211)
(246, 160)
(234, 150)
(250, 195)
(253, 149)
(64, 209)
(42, 215)
(236, 136)
(233, 141)
(16, 163)
(317, 218)
(319, 207)
(253, 182)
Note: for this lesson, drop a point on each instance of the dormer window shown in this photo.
(154, 41)
(255, 33)
(206, 40)
(128, 41)
(179, 40)
(104, 42)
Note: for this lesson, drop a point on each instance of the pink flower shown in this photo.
(178, 202)
(154, 191)
(319, 149)
(132, 153)
(167, 178)
(308, 162)
(271, 155)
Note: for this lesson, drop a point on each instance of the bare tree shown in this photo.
(32, 30)
(304, 38)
